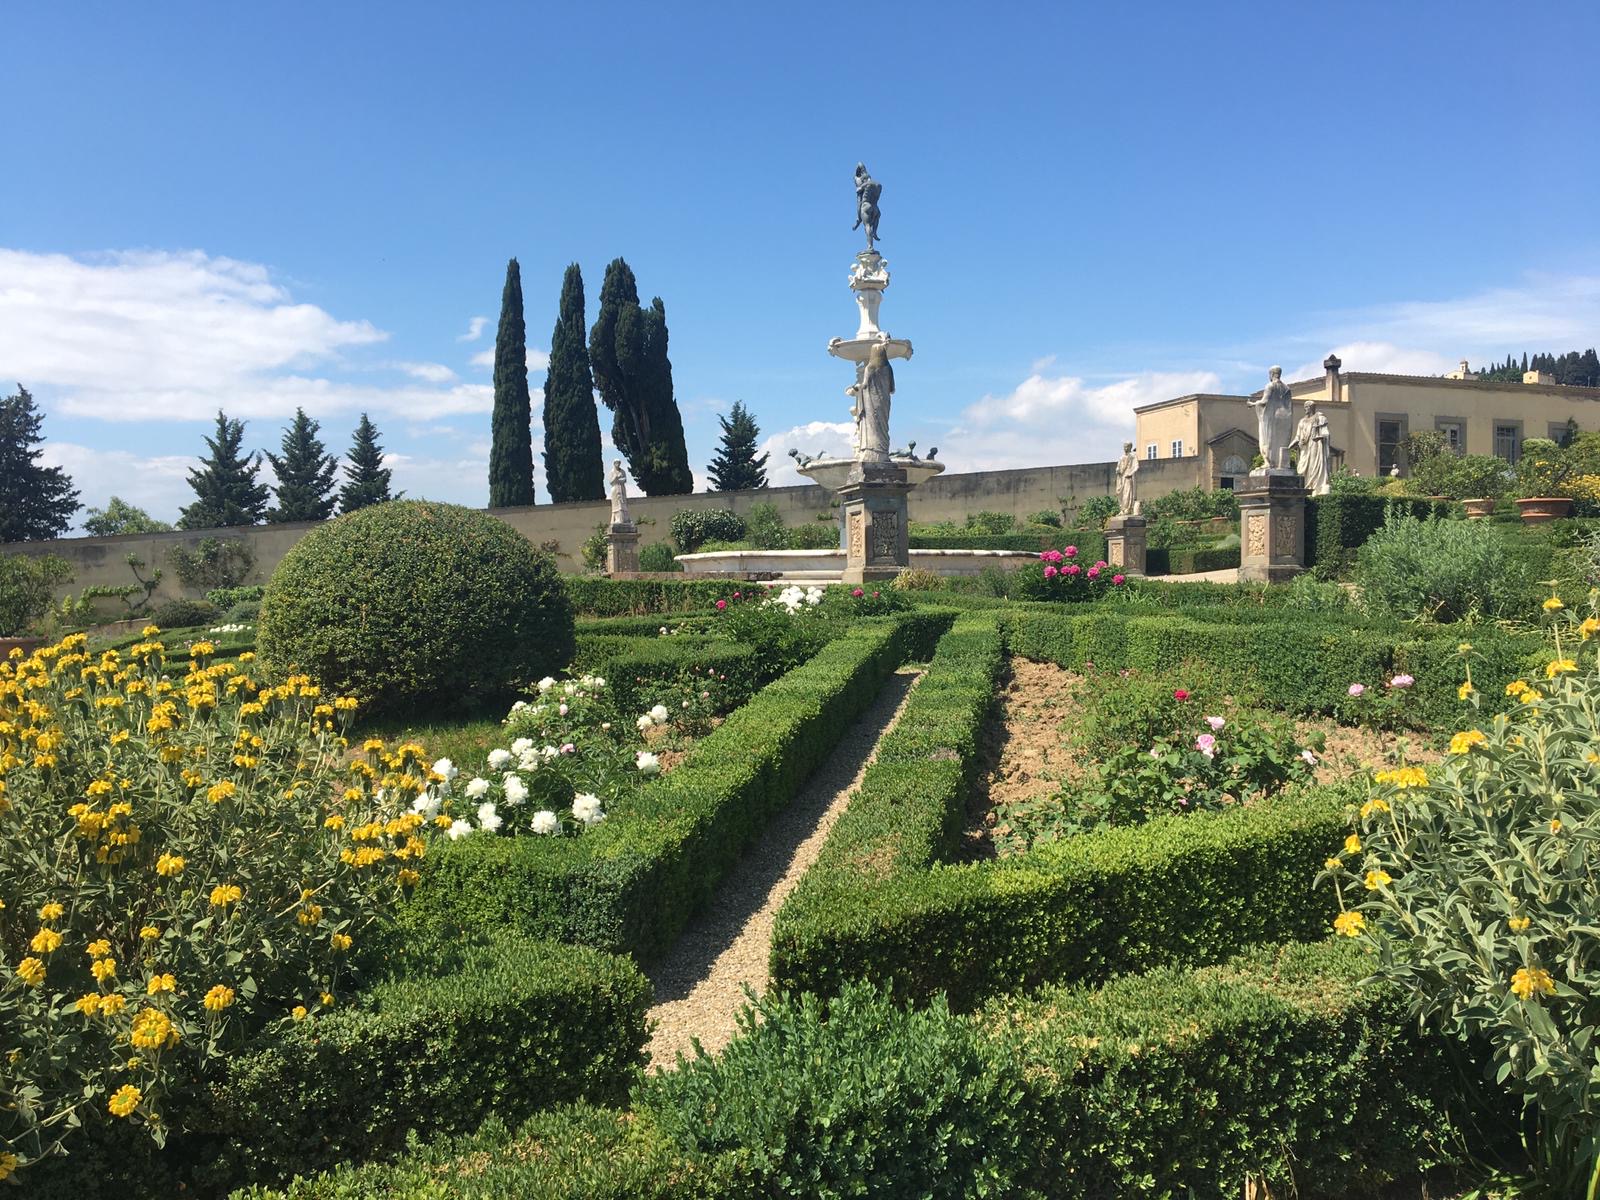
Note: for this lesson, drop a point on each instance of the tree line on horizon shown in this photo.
(1575, 368)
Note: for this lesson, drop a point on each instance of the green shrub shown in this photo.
(181, 614)
(593, 550)
(657, 556)
(226, 598)
(412, 602)
(594, 597)
(1337, 525)
(815, 536)
(1045, 516)
(917, 579)
(1094, 512)
(212, 563)
(26, 582)
(991, 522)
(1160, 561)
(1141, 709)
(1439, 571)
(1192, 504)
(692, 527)
(763, 527)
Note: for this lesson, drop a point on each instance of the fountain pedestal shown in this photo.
(876, 541)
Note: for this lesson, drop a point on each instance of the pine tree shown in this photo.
(225, 483)
(35, 502)
(628, 354)
(573, 469)
(736, 467)
(366, 478)
(511, 445)
(305, 474)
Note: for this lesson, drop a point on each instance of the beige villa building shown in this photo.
(1369, 416)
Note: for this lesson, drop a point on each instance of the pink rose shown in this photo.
(1180, 694)
(875, 595)
(1216, 723)
(1094, 573)
(569, 748)
(858, 593)
(1206, 744)
(1119, 580)
(1101, 565)
(1073, 569)
(1356, 689)
(1050, 572)
(721, 604)
(1071, 552)
(1401, 681)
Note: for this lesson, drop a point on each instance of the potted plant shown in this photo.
(1477, 480)
(1542, 476)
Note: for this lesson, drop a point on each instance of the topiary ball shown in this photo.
(414, 603)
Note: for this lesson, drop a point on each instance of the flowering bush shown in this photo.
(1387, 704)
(1059, 575)
(183, 863)
(1476, 884)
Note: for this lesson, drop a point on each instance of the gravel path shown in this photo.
(700, 983)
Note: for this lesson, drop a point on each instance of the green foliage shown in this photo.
(693, 527)
(212, 563)
(1046, 516)
(1573, 369)
(1192, 504)
(1345, 482)
(226, 490)
(413, 602)
(1439, 571)
(1139, 709)
(573, 469)
(628, 355)
(119, 517)
(736, 466)
(764, 526)
(366, 479)
(991, 522)
(1547, 468)
(511, 428)
(593, 550)
(658, 556)
(305, 472)
(26, 584)
(36, 502)
(1460, 477)
(1161, 561)
(225, 598)
(1338, 525)
(917, 579)
(1096, 511)
(592, 597)
(184, 614)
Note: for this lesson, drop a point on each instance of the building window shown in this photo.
(1508, 440)
(1454, 432)
(1561, 432)
(1150, 451)
(1391, 431)
(1177, 448)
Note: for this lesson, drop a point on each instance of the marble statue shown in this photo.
(619, 494)
(872, 389)
(1127, 468)
(1311, 436)
(868, 190)
(1274, 423)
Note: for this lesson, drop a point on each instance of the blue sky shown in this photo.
(1085, 207)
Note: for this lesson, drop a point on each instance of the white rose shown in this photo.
(647, 763)
(499, 758)
(477, 788)
(586, 808)
(529, 761)
(427, 805)
(659, 712)
(516, 791)
(459, 829)
(545, 823)
(645, 722)
(488, 819)
(546, 684)
(522, 745)
(550, 751)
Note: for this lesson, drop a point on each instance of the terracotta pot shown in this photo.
(1477, 510)
(26, 644)
(1536, 510)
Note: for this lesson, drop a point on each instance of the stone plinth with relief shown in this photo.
(1272, 526)
(1126, 543)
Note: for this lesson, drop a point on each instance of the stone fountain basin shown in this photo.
(831, 473)
(829, 564)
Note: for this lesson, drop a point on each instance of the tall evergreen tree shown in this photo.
(36, 502)
(573, 469)
(736, 468)
(511, 445)
(366, 479)
(628, 354)
(224, 484)
(305, 474)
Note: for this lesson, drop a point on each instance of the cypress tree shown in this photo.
(225, 484)
(305, 474)
(35, 502)
(628, 354)
(511, 445)
(736, 468)
(366, 478)
(573, 469)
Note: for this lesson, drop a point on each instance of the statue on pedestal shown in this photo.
(1127, 468)
(619, 494)
(871, 391)
(868, 190)
(1311, 436)
(1274, 423)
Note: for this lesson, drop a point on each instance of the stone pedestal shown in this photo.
(1125, 544)
(876, 542)
(1272, 527)
(622, 549)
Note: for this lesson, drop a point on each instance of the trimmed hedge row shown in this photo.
(1091, 543)
(1279, 1066)
(643, 626)
(518, 1026)
(636, 668)
(1189, 562)
(1338, 526)
(631, 883)
(596, 596)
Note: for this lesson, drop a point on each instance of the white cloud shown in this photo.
(1059, 419)
(159, 484)
(538, 360)
(427, 371)
(1378, 358)
(829, 439)
(474, 329)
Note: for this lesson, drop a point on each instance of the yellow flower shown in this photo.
(159, 984)
(1352, 844)
(1403, 777)
(1555, 824)
(8, 1164)
(340, 942)
(88, 1004)
(1349, 923)
(1374, 805)
(406, 877)
(1529, 982)
(1560, 666)
(46, 941)
(153, 1029)
(327, 999)
(1462, 743)
(218, 792)
(1589, 627)
(1378, 879)
(1464, 648)
(336, 821)
(149, 933)
(125, 1100)
(112, 1004)
(51, 912)
(1553, 604)
(225, 894)
(1519, 924)
(309, 915)
(1465, 690)
(298, 1012)
(104, 969)
(1333, 864)
(169, 865)
(219, 998)
(372, 746)
(99, 949)
(1517, 687)
(31, 972)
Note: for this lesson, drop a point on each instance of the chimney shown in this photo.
(1331, 365)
